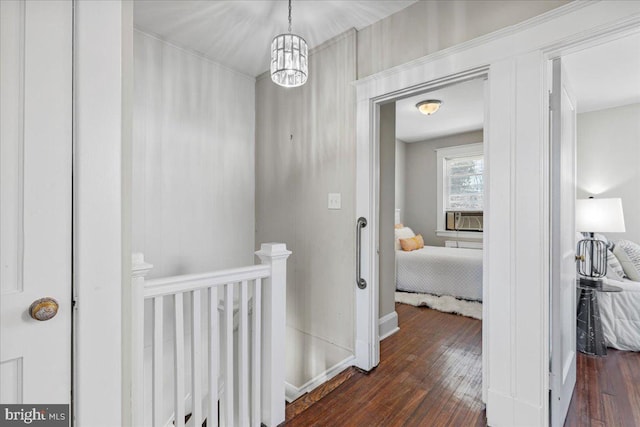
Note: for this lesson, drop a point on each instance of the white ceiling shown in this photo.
(462, 110)
(601, 77)
(606, 76)
(238, 33)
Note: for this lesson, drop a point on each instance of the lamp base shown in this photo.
(591, 282)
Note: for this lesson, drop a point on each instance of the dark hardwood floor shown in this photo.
(430, 375)
(607, 391)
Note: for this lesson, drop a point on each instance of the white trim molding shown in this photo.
(388, 325)
(471, 235)
(102, 143)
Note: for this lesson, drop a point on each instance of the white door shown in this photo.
(563, 285)
(35, 197)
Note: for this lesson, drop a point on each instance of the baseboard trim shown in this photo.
(388, 325)
(292, 392)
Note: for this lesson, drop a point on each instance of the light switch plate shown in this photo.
(335, 201)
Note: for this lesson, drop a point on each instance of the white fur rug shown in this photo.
(445, 303)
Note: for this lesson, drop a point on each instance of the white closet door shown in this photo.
(35, 197)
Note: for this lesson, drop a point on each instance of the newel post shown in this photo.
(274, 310)
(139, 271)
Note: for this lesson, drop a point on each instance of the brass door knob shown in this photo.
(43, 309)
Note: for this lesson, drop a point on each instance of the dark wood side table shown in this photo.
(590, 338)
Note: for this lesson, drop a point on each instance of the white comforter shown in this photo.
(620, 313)
(441, 271)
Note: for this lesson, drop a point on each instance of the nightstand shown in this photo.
(590, 339)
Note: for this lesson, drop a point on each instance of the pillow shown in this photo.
(614, 268)
(608, 243)
(628, 253)
(403, 233)
(412, 243)
(399, 226)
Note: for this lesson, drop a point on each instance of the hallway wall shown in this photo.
(608, 155)
(193, 161)
(305, 149)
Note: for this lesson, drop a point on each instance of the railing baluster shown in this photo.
(243, 355)
(259, 380)
(179, 360)
(255, 356)
(228, 352)
(158, 368)
(214, 361)
(196, 359)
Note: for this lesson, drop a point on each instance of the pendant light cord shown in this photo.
(289, 15)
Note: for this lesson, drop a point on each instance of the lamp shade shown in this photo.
(599, 216)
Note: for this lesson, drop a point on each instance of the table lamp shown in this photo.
(596, 216)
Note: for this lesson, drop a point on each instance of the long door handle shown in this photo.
(362, 222)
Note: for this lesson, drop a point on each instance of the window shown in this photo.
(463, 183)
(460, 184)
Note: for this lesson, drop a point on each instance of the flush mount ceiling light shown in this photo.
(429, 106)
(289, 54)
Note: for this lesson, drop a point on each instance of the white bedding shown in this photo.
(620, 313)
(441, 271)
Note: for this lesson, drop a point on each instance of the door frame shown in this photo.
(517, 271)
(102, 118)
(368, 357)
(559, 51)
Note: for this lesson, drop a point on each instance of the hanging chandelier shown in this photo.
(289, 58)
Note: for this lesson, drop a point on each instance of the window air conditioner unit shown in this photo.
(464, 220)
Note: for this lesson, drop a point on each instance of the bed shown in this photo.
(620, 311)
(440, 271)
(620, 315)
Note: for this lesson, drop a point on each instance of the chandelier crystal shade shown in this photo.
(289, 58)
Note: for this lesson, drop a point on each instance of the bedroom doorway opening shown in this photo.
(430, 230)
(603, 80)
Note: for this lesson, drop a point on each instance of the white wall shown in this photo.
(387, 252)
(421, 190)
(608, 156)
(401, 164)
(429, 26)
(305, 149)
(193, 161)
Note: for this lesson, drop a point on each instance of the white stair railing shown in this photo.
(244, 366)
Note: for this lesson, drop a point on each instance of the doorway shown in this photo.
(604, 81)
(432, 169)
(368, 357)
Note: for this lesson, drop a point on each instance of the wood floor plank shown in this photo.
(607, 391)
(430, 374)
